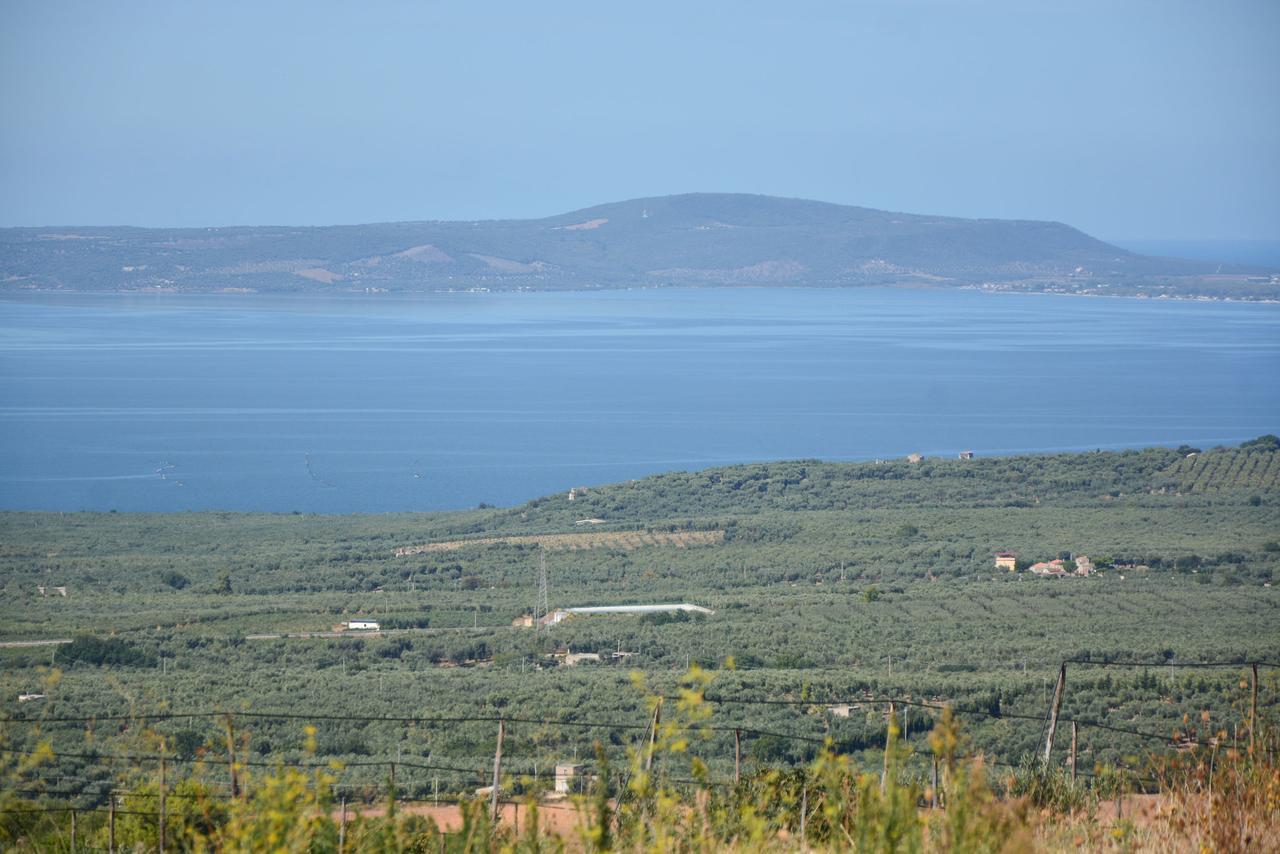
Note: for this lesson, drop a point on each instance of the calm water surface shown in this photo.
(432, 402)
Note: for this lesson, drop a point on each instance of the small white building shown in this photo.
(362, 625)
(567, 775)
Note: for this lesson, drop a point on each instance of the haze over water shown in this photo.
(167, 403)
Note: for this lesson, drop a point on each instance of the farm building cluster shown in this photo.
(1079, 565)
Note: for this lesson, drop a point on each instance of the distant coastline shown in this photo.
(1271, 295)
(690, 240)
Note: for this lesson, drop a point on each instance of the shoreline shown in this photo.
(382, 293)
(935, 457)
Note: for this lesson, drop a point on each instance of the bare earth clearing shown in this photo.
(624, 540)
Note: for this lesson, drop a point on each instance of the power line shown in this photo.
(1124, 663)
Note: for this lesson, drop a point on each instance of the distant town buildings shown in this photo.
(361, 625)
(1007, 560)
(914, 458)
(966, 455)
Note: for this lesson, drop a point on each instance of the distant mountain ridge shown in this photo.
(698, 239)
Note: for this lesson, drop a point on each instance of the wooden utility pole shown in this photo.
(111, 825)
(933, 801)
(162, 806)
(1053, 713)
(391, 791)
(231, 757)
(1073, 752)
(1253, 707)
(737, 756)
(73, 832)
(497, 770)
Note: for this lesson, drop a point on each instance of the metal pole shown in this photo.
(653, 735)
(342, 828)
(231, 757)
(1073, 752)
(1053, 712)
(888, 747)
(162, 806)
(737, 756)
(497, 770)
(804, 813)
(1253, 707)
(933, 801)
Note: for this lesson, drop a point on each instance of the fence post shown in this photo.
(1054, 708)
(933, 801)
(737, 756)
(1073, 753)
(497, 770)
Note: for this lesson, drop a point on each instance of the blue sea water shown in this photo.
(381, 403)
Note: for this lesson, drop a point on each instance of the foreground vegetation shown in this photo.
(835, 588)
(1211, 798)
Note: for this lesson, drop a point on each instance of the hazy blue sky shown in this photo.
(1126, 118)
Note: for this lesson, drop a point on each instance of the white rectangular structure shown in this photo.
(566, 777)
(640, 609)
